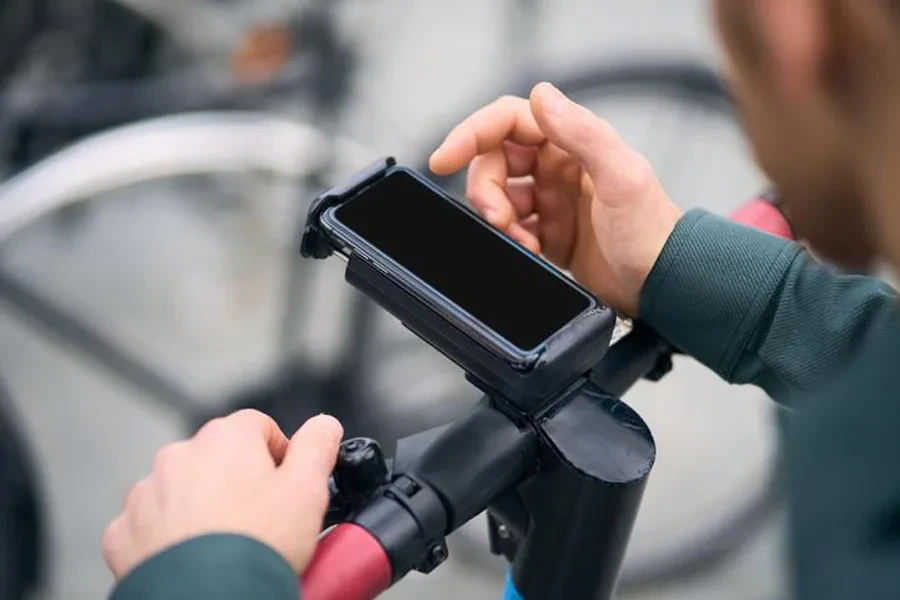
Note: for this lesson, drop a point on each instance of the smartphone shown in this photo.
(445, 255)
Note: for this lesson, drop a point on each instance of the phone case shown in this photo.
(566, 356)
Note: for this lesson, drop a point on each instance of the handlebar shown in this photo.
(351, 563)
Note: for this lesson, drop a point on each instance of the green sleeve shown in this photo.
(758, 309)
(212, 567)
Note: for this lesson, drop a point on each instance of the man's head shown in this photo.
(818, 83)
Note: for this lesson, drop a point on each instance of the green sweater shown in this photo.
(757, 310)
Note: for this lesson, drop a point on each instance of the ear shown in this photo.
(793, 33)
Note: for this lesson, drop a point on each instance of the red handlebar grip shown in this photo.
(349, 564)
(763, 214)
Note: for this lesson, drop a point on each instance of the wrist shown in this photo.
(646, 248)
(658, 237)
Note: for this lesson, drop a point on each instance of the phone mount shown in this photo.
(565, 356)
(315, 243)
(561, 467)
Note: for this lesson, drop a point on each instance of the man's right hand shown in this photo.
(564, 184)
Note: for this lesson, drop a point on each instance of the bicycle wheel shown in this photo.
(21, 523)
(679, 115)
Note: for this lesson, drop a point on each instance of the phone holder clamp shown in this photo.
(315, 244)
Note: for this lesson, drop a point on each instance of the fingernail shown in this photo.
(551, 98)
(332, 425)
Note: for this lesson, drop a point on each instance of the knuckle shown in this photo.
(251, 416)
(319, 497)
(110, 537)
(474, 186)
(478, 186)
(114, 544)
(509, 104)
(214, 428)
(470, 186)
(631, 176)
(591, 128)
(638, 172)
(509, 101)
(109, 543)
(168, 457)
(135, 495)
(602, 127)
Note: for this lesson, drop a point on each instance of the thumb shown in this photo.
(578, 131)
(311, 456)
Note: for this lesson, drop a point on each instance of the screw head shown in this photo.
(439, 554)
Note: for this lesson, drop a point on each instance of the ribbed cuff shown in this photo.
(212, 566)
(711, 285)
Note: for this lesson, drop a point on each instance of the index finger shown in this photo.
(508, 118)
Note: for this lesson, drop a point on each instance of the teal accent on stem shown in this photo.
(511, 592)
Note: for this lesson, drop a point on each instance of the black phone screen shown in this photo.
(471, 264)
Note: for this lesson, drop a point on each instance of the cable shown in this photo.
(22, 517)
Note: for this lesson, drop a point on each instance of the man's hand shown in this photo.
(239, 474)
(563, 183)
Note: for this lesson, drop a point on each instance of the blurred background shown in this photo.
(157, 158)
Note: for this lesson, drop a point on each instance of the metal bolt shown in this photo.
(503, 532)
(439, 554)
(353, 445)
